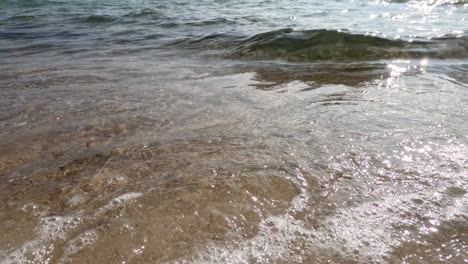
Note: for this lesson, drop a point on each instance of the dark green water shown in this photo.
(233, 131)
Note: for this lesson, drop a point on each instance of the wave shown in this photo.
(96, 19)
(435, 3)
(21, 18)
(332, 45)
(145, 12)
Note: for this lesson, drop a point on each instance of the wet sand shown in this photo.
(193, 161)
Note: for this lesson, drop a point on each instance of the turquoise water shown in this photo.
(137, 131)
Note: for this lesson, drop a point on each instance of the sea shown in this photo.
(233, 131)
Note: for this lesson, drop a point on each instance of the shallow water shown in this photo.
(233, 132)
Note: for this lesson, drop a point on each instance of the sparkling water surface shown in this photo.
(233, 131)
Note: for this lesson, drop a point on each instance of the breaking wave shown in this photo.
(332, 45)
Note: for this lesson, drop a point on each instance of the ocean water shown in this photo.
(276, 131)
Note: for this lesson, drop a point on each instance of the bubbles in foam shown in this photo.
(119, 201)
(53, 228)
(33, 208)
(78, 243)
(41, 249)
(368, 231)
(76, 199)
(56, 227)
(275, 239)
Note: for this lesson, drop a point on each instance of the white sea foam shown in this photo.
(54, 228)
(40, 249)
(78, 243)
(363, 232)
